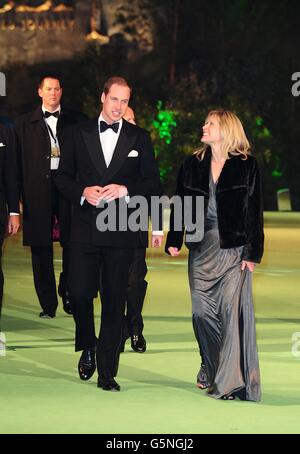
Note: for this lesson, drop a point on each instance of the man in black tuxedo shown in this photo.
(9, 192)
(39, 134)
(105, 159)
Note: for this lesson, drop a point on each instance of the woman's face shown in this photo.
(211, 131)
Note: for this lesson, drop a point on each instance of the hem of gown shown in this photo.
(240, 393)
(236, 394)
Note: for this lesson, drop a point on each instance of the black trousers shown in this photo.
(135, 295)
(86, 261)
(44, 277)
(42, 263)
(2, 233)
(136, 291)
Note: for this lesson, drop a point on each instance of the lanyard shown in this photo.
(55, 152)
(51, 134)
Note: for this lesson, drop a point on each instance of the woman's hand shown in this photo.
(173, 251)
(249, 265)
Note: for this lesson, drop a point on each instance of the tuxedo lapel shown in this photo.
(62, 121)
(124, 145)
(38, 117)
(91, 138)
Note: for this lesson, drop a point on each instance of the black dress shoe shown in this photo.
(47, 314)
(67, 304)
(87, 364)
(138, 343)
(108, 384)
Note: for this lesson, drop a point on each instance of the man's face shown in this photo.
(115, 103)
(50, 92)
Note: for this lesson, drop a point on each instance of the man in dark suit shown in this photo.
(105, 159)
(38, 135)
(9, 192)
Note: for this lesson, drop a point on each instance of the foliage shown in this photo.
(238, 55)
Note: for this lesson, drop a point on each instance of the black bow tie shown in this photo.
(48, 114)
(104, 126)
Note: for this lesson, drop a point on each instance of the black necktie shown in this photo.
(48, 114)
(104, 126)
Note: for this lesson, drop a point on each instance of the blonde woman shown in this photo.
(221, 264)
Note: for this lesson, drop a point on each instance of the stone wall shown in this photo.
(130, 19)
(48, 34)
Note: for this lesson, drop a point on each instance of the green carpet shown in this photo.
(41, 393)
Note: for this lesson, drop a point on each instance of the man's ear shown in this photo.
(102, 97)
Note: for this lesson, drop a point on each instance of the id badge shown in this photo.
(55, 153)
(54, 163)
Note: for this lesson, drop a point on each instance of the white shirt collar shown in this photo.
(44, 109)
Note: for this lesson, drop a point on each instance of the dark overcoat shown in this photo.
(34, 151)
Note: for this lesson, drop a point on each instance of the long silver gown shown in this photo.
(223, 314)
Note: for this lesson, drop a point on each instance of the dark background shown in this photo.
(235, 54)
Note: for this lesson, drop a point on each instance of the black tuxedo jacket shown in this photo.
(82, 165)
(9, 193)
(34, 151)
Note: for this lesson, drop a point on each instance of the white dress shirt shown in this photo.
(52, 124)
(109, 140)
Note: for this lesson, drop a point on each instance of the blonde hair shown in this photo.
(235, 141)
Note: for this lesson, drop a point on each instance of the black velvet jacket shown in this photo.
(239, 203)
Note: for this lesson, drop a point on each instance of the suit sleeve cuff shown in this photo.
(158, 232)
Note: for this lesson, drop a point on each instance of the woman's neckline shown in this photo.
(216, 182)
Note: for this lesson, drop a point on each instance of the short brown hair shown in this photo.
(117, 81)
(50, 76)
